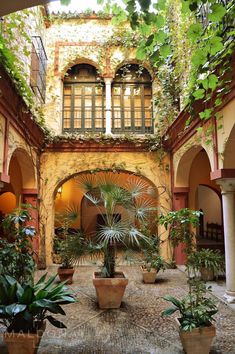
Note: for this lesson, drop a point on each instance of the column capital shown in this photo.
(108, 79)
(227, 185)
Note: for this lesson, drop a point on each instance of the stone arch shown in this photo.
(137, 62)
(26, 166)
(184, 163)
(229, 160)
(79, 60)
(70, 196)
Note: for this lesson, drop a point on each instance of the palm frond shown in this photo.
(136, 187)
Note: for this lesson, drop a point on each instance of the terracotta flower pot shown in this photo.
(198, 340)
(23, 343)
(149, 277)
(110, 291)
(66, 274)
(207, 274)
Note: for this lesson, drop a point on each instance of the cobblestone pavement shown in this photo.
(136, 328)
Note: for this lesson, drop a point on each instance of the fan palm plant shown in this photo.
(110, 194)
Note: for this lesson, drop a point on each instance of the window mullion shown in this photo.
(143, 128)
(72, 109)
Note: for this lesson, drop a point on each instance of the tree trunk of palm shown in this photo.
(109, 260)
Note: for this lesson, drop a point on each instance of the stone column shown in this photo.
(108, 108)
(30, 196)
(227, 186)
(180, 201)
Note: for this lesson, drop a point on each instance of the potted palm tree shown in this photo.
(110, 195)
(24, 308)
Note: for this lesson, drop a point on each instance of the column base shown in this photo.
(229, 297)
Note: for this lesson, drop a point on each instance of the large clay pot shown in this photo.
(207, 274)
(66, 274)
(198, 340)
(149, 276)
(110, 291)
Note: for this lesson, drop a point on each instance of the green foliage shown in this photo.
(207, 258)
(24, 307)
(181, 224)
(108, 194)
(196, 309)
(206, 50)
(70, 244)
(16, 254)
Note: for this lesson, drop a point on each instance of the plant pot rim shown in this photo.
(151, 269)
(197, 328)
(119, 272)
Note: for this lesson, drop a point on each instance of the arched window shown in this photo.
(132, 100)
(83, 108)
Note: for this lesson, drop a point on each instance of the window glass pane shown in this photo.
(127, 101)
(77, 119)
(88, 90)
(116, 101)
(67, 101)
(77, 101)
(78, 90)
(127, 91)
(116, 90)
(99, 90)
(147, 102)
(88, 101)
(137, 101)
(147, 90)
(67, 90)
(137, 90)
(98, 101)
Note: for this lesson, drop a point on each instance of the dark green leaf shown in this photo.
(55, 322)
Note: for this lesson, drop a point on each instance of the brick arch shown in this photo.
(137, 62)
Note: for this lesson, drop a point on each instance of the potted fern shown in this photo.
(110, 194)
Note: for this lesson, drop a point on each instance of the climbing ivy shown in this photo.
(207, 43)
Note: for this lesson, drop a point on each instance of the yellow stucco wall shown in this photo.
(57, 167)
(226, 144)
(74, 41)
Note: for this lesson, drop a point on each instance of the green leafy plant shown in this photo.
(109, 194)
(181, 225)
(196, 308)
(207, 258)
(70, 244)
(24, 308)
(16, 254)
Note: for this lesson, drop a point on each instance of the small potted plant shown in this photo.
(196, 319)
(24, 309)
(70, 244)
(209, 262)
(71, 249)
(151, 261)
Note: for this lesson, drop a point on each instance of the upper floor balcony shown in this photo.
(96, 104)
